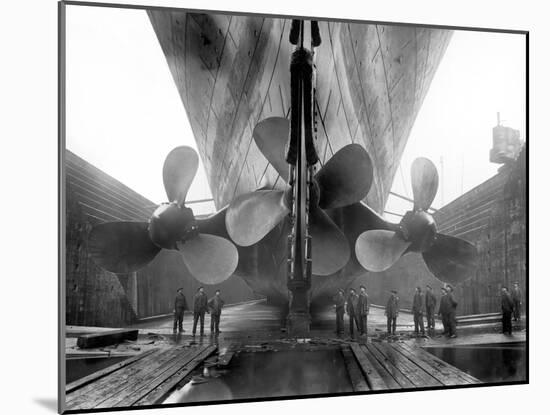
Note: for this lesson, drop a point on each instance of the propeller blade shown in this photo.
(425, 181)
(377, 250)
(178, 172)
(214, 224)
(210, 259)
(346, 178)
(121, 247)
(330, 248)
(251, 216)
(271, 136)
(451, 259)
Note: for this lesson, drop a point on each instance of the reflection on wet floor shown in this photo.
(78, 368)
(488, 363)
(270, 374)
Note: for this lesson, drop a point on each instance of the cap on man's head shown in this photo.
(428, 286)
(362, 286)
(450, 287)
(200, 288)
(340, 290)
(394, 291)
(180, 289)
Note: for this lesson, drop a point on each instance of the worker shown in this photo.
(363, 306)
(516, 298)
(507, 306)
(418, 311)
(180, 305)
(215, 305)
(352, 310)
(452, 311)
(340, 304)
(200, 307)
(431, 302)
(392, 311)
(444, 310)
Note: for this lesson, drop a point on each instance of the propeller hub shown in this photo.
(418, 227)
(171, 224)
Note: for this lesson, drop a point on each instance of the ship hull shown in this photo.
(233, 71)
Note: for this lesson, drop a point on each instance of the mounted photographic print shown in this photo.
(264, 207)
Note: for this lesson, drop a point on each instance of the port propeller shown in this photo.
(123, 247)
(450, 259)
(345, 179)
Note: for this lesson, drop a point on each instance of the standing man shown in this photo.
(431, 301)
(418, 311)
(215, 304)
(444, 310)
(452, 311)
(363, 306)
(200, 306)
(392, 311)
(180, 305)
(507, 305)
(516, 298)
(352, 309)
(340, 305)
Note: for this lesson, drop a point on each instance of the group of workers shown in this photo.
(357, 308)
(201, 306)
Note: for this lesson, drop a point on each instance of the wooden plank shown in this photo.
(414, 373)
(107, 338)
(448, 379)
(144, 384)
(157, 394)
(358, 382)
(95, 393)
(394, 371)
(101, 373)
(374, 377)
(444, 367)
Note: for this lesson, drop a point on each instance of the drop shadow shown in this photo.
(48, 403)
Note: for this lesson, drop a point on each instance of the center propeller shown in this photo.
(449, 258)
(345, 179)
(123, 247)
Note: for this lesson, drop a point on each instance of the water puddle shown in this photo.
(489, 363)
(80, 367)
(269, 374)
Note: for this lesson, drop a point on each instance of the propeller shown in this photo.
(344, 180)
(449, 258)
(122, 247)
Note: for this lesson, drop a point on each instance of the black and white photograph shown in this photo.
(270, 207)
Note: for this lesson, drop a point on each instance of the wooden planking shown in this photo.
(445, 377)
(160, 391)
(104, 372)
(419, 378)
(145, 378)
(374, 378)
(441, 365)
(392, 369)
(153, 380)
(94, 393)
(358, 381)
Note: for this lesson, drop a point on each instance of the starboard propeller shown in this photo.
(450, 259)
(345, 179)
(122, 247)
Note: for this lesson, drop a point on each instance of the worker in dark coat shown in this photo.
(444, 310)
(215, 305)
(200, 307)
(352, 310)
(392, 311)
(340, 305)
(452, 311)
(507, 306)
(363, 306)
(431, 302)
(516, 298)
(180, 305)
(418, 311)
